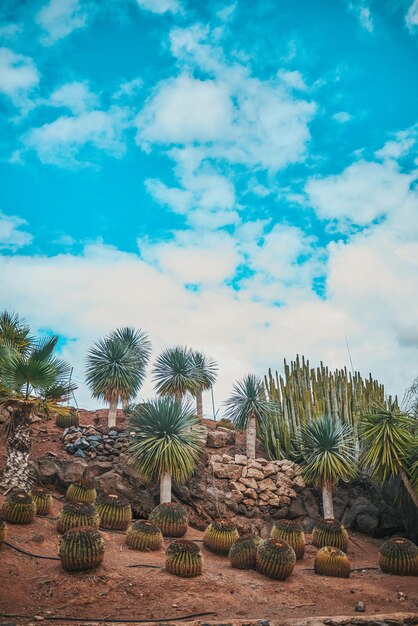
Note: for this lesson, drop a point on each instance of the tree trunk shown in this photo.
(17, 474)
(251, 436)
(113, 409)
(199, 404)
(165, 487)
(327, 501)
(408, 486)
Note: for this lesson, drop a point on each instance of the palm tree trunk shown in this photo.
(113, 409)
(199, 403)
(17, 474)
(408, 486)
(165, 487)
(327, 501)
(251, 437)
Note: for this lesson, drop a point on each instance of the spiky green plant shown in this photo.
(115, 513)
(171, 518)
(331, 561)
(67, 420)
(3, 530)
(167, 442)
(82, 490)
(243, 552)
(399, 556)
(330, 532)
(81, 549)
(291, 531)
(275, 558)
(43, 500)
(175, 373)
(183, 558)
(207, 372)
(77, 515)
(14, 332)
(220, 536)
(18, 508)
(144, 535)
(116, 367)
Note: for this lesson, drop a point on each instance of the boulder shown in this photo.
(266, 484)
(240, 459)
(220, 438)
(220, 470)
(249, 482)
(253, 472)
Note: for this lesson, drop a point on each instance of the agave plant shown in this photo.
(207, 369)
(176, 373)
(167, 442)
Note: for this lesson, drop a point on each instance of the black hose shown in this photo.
(35, 556)
(144, 565)
(53, 618)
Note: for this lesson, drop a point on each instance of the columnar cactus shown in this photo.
(81, 549)
(43, 500)
(331, 561)
(144, 535)
(399, 556)
(220, 536)
(115, 513)
(67, 420)
(82, 490)
(183, 558)
(275, 558)
(330, 532)
(18, 508)
(171, 518)
(77, 515)
(292, 532)
(243, 552)
(3, 530)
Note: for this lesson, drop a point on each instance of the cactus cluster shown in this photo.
(82, 490)
(144, 535)
(243, 552)
(18, 508)
(77, 515)
(171, 518)
(3, 530)
(81, 549)
(399, 556)
(220, 536)
(115, 513)
(67, 420)
(291, 531)
(183, 558)
(330, 561)
(275, 558)
(330, 532)
(43, 500)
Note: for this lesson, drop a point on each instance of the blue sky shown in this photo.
(236, 176)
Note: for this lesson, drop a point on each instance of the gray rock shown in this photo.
(70, 448)
(80, 454)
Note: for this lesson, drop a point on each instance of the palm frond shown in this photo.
(207, 369)
(15, 332)
(248, 400)
(175, 373)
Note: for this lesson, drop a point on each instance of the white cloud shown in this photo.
(293, 79)
(411, 18)
(75, 96)
(59, 18)
(18, 76)
(11, 237)
(160, 6)
(342, 117)
(363, 14)
(129, 88)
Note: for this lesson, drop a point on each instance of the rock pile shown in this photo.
(95, 442)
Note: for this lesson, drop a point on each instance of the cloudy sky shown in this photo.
(235, 176)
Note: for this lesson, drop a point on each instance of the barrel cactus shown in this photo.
(330, 561)
(399, 556)
(115, 513)
(43, 500)
(292, 532)
(82, 490)
(18, 508)
(77, 515)
(171, 518)
(67, 420)
(183, 558)
(220, 536)
(243, 552)
(81, 549)
(330, 532)
(275, 558)
(144, 535)
(3, 530)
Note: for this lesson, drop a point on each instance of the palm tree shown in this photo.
(248, 409)
(167, 442)
(14, 332)
(207, 371)
(116, 367)
(389, 437)
(328, 455)
(30, 382)
(175, 373)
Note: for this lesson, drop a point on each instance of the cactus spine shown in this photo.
(330, 532)
(220, 536)
(331, 561)
(292, 532)
(171, 518)
(243, 552)
(275, 558)
(399, 556)
(144, 535)
(43, 500)
(3, 530)
(77, 515)
(81, 549)
(18, 508)
(82, 491)
(68, 419)
(183, 558)
(115, 513)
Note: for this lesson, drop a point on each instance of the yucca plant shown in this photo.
(115, 513)
(399, 556)
(68, 419)
(144, 535)
(18, 508)
(291, 531)
(81, 549)
(176, 373)
(207, 372)
(171, 518)
(220, 536)
(275, 558)
(331, 561)
(330, 532)
(77, 515)
(3, 530)
(183, 558)
(166, 443)
(43, 500)
(82, 490)
(243, 552)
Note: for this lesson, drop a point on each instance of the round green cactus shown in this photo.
(18, 508)
(399, 556)
(82, 490)
(275, 558)
(292, 532)
(144, 535)
(330, 561)
(183, 558)
(115, 513)
(77, 515)
(43, 500)
(220, 536)
(243, 552)
(68, 419)
(330, 532)
(3, 530)
(81, 549)
(171, 518)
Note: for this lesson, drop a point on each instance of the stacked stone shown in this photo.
(95, 442)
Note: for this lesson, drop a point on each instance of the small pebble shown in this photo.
(360, 607)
